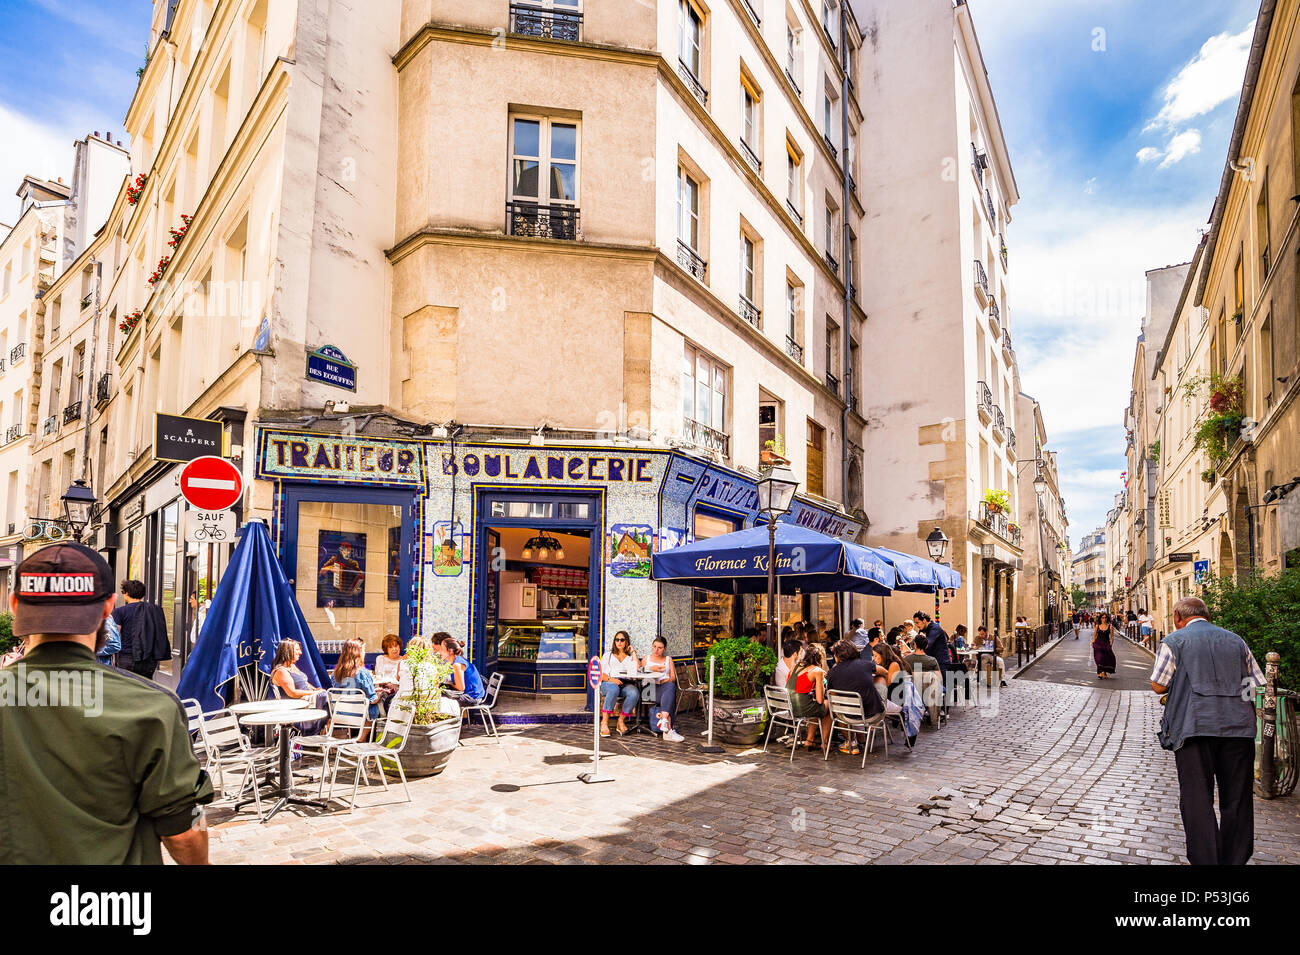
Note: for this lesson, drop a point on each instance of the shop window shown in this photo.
(714, 615)
(541, 509)
(347, 579)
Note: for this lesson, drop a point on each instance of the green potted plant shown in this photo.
(7, 641)
(742, 668)
(435, 727)
(773, 453)
(998, 501)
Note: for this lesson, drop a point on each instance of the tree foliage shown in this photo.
(1263, 611)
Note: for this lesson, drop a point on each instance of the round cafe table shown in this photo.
(641, 678)
(267, 706)
(285, 717)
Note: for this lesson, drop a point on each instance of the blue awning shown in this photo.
(736, 563)
(252, 610)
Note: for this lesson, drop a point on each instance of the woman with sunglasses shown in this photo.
(616, 666)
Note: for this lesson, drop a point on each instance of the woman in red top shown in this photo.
(807, 686)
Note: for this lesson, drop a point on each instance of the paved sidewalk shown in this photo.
(1051, 773)
(1070, 662)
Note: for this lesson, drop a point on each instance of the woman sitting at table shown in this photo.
(807, 686)
(292, 683)
(388, 668)
(660, 663)
(618, 663)
(350, 673)
(467, 685)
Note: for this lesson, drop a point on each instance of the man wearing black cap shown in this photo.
(96, 766)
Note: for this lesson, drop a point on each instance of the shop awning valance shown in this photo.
(736, 563)
(918, 575)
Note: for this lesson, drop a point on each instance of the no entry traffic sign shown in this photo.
(211, 483)
(593, 672)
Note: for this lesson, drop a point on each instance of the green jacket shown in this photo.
(95, 764)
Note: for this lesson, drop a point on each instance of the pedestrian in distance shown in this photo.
(1103, 649)
(1209, 675)
(143, 629)
(104, 773)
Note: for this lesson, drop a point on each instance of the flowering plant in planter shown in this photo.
(773, 452)
(137, 186)
(130, 322)
(997, 500)
(178, 234)
(1218, 429)
(160, 270)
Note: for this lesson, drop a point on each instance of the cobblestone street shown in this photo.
(1048, 773)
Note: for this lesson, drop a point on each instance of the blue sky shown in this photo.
(1117, 114)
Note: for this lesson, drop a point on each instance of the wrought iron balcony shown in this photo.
(853, 400)
(102, 392)
(526, 20)
(693, 83)
(833, 383)
(1011, 442)
(978, 162)
(833, 263)
(17, 353)
(3, 366)
(753, 15)
(72, 412)
(999, 423)
(1002, 249)
(853, 291)
(988, 200)
(751, 312)
(853, 184)
(50, 424)
(835, 153)
(691, 261)
(794, 349)
(999, 523)
(981, 279)
(751, 157)
(984, 400)
(702, 436)
(793, 82)
(542, 222)
(794, 212)
(13, 433)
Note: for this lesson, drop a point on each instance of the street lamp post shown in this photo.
(937, 545)
(78, 500)
(775, 492)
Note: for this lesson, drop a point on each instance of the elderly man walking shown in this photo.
(1209, 723)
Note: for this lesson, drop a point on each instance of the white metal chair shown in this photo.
(349, 709)
(228, 748)
(688, 685)
(780, 712)
(389, 746)
(484, 708)
(849, 714)
(253, 683)
(194, 717)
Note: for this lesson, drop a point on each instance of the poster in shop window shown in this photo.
(394, 560)
(341, 579)
(629, 551)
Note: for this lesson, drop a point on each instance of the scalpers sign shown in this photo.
(519, 466)
(331, 457)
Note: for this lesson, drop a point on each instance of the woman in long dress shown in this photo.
(1103, 653)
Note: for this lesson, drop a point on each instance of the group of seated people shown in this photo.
(876, 665)
(619, 668)
(390, 678)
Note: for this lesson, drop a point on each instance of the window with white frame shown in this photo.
(793, 309)
(828, 116)
(748, 255)
(831, 229)
(791, 50)
(749, 128)
(543, 160)
(688, 209)
(690, 35)
(794, 180)
(704, 389)
(828, 19)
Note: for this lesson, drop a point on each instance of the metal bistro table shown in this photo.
(285, 716)
(641, 678)
(266, 706)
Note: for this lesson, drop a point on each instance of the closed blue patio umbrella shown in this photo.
(253, 609)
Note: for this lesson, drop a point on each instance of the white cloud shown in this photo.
(1148, 154)
(1185, 144)
(1208, 79)
(45, 151)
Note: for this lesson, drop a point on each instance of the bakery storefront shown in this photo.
(534, 555)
